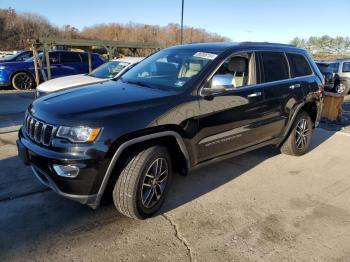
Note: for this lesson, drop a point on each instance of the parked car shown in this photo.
(21, 75)
(109, 70)
(327, 73)
(17, 57)
(179, 109)
(341, 71)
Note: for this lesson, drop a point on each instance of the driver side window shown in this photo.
(237, 71)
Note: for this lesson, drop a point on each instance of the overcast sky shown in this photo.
(249, 20)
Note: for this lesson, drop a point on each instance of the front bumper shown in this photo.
(4, 78)
(4, 83)
(83, 189)
(46, 180)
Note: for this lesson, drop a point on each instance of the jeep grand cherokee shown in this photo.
(182, 107)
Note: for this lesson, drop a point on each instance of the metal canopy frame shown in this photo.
(84, 44)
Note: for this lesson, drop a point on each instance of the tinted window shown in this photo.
(334, 67)
(275, 66)
(94, 57)
(299, 65)
(53, 57)
(346, 67)
(70, 57)
(84, 57)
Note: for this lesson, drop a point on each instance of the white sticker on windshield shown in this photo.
(205, 55)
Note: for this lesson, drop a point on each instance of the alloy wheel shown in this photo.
(301, 134)
(23, 81)
(154, 183)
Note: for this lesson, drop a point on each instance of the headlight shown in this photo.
(2, 67)
(78, 134)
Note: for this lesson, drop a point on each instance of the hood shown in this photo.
(68, 82)
(93, 102)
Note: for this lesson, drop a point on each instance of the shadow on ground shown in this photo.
(202, 181)
(12, 108)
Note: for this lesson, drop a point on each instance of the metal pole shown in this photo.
(182, 22)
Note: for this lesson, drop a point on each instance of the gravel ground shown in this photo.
(261, 206)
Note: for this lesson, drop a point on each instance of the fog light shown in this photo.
(66, 171)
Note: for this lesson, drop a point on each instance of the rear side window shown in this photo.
(274, 66)
(346, 67)
(298, 65)
(70, 57)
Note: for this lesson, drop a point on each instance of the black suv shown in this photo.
(181, 108)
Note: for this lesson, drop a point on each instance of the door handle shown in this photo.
(255, 94)
(294, 86)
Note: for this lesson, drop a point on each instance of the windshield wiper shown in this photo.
(138, 83)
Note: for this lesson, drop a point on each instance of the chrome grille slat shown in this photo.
(39, 131)
(36, 132)
(43, 132)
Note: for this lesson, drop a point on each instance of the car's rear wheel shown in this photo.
(143, 183)
(299, 139)
(23, 81)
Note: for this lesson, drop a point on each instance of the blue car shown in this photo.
(21, 75)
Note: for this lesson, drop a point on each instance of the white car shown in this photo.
(105, 72)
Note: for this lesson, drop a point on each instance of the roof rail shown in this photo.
(265, 43)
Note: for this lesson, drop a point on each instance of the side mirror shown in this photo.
(219, 84)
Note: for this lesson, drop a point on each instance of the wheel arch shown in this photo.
(172, 140)
(309, 107)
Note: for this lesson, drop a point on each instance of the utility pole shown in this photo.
(182, 23)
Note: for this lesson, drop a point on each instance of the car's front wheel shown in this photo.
(143, 183)
(23, 81)
(299, 139)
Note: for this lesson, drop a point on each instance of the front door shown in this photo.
(233, 119)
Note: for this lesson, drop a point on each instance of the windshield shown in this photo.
(9, 57)
(171, 68)
(109, 69)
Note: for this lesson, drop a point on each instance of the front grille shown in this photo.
(39, 131)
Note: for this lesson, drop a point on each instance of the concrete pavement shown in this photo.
(13, 104)
(261, 206)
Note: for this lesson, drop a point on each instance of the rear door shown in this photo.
(301, 75)
(278, 89)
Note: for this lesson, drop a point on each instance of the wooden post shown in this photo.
(89, 59)
(35, 59)
(48, 66)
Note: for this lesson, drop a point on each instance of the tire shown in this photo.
(300, 136)
(22, 81)
(138, 180)
(342, 88)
